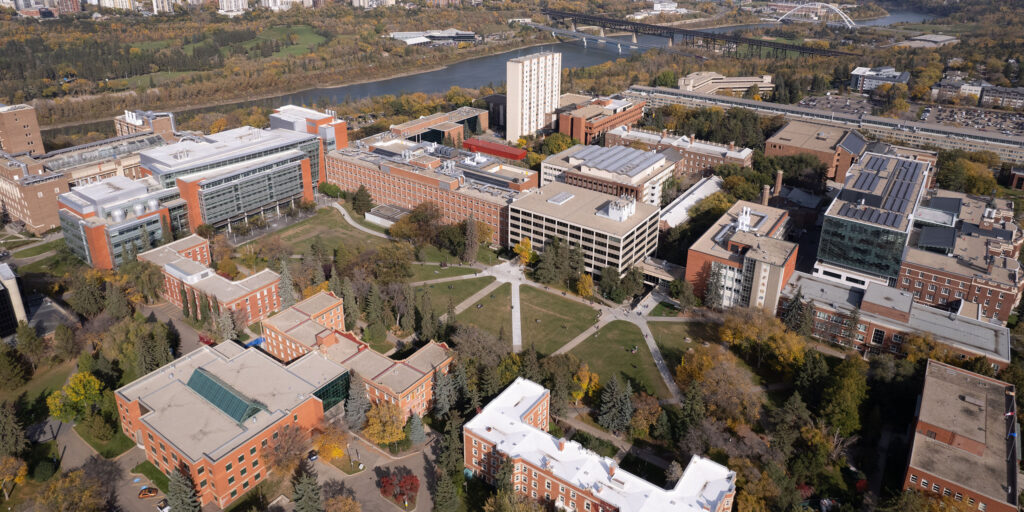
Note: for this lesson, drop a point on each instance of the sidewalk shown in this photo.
(353, 223)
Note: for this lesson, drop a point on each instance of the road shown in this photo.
(165, 311)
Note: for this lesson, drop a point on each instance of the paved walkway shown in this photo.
(360, 227)
(659, 361)
(517, 320)
(165, 311)
(363, 485)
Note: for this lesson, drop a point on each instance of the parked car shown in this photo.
(206, 340)
(148, 492)
(162, 506)
(313, 455)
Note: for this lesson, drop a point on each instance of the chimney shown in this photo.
(561, 445)
(732, 145)
(611, 469)
(693, 138)
(778, 182)
(765, 194)
(664, 133)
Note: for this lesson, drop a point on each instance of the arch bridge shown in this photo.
(814, 8)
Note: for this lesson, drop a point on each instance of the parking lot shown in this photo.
(996, 121)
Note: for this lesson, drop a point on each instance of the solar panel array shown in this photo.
(619, 159)
(896, 200)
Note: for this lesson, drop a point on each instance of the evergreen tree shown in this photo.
(357, 403)
(450, 314)
(166, 235)
(318, 273)
(5, 214)
(662, 430)
(29, 344)
(713, 288)
(12, 373)
(693, 409)
(193, 305)
(616, 406)
(181, 493)
(335, 284)
(490, 382)
(12, 435)
(503, 480)
(472, 242)
(633, 282)
(611, 285)
(287, 287)
(226, 326)
(416, 433)
(147, 241)
(184, 301)
(306, 489)
(798, 317)
(444, 394)
(446, 495)
(374, 304)
(204, 309)
(854, 320)
(811, 378)
(152, 352)
(351, 308)
(117, 304)
(361, 201)
(529, 366)
(65, 345)
(451, 459)
(87, 299)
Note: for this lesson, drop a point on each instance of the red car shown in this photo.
(206, 340)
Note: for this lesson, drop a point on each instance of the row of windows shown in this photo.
(946, 491)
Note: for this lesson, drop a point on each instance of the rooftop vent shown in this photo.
(561, 198)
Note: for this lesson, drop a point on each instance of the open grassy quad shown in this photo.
(550, 321)
(458, 291)
(330, 226)
(493, 313)
(665, 309)
(609, 352)
(40, 249)
(671, 338)
(422, 272)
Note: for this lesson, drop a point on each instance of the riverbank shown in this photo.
(301, 90)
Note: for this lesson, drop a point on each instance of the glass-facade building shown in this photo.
(862, 247)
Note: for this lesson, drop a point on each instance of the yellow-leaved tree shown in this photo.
(585, 383)
(12, 471)
(384, 423)
(331, 441)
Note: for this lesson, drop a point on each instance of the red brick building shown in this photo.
(964, 254)
(513, 427)
(747, 249)
(215, 412)
(965, 440)
(888, 317)
(588, 120)
(317, 324)
(400, 173)
(185, 267)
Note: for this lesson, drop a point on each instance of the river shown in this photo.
(472, 73)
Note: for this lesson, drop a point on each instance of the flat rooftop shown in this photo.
(812, 137)
(618, 161)
(765, 222)
(974, 409)
(203, 278)
(966, 333)
(297, 321)
(219, 147)
(581, 207)
(703, 485)
(107, 149)
(214, 399)
(881, 190)
(297, 113)
(682, 142)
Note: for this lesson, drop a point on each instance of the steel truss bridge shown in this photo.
(610, 42)
(724, 43)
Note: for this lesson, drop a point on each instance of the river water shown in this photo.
(471, 73)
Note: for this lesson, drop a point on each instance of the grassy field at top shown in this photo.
(671, 338)
(550, 321)
(458, 291)
(494, 313)
(608, 352)
(40, 249)
(330, 226)
(429, 272)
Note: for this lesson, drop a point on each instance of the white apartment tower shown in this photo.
(232, 7)
(534, 83)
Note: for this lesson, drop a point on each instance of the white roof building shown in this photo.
(704, 486)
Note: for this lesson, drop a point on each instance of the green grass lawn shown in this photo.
(11, 243)
(31, 397)
(429, 272)
(332, 228)
(607, 352)
(347, 465)
(39, 249)
(431, 254)
(53, 265)
(671, 338)
(152, 45)
(361, 220)
(117, 445)
(148, 470)
(487, 256)
(550, 321)
(494, 313)
(665, 309)
(457, 290)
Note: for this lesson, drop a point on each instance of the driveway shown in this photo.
(363, 485)
(165, 311)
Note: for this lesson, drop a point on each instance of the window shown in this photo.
(946, 491)
(202, 483)
(878, 336)
(252, 451)
(897, 338)
(231, 480)
(547, 485)
(935, 487)
(255, 463)
(245, 484)
(241, 458)
(275, 435)
(982, 507)
(924, 483)
(200, 470)
(228, 467)
(913, 479)
(906, 280)
(242, 472)
(958, 496)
